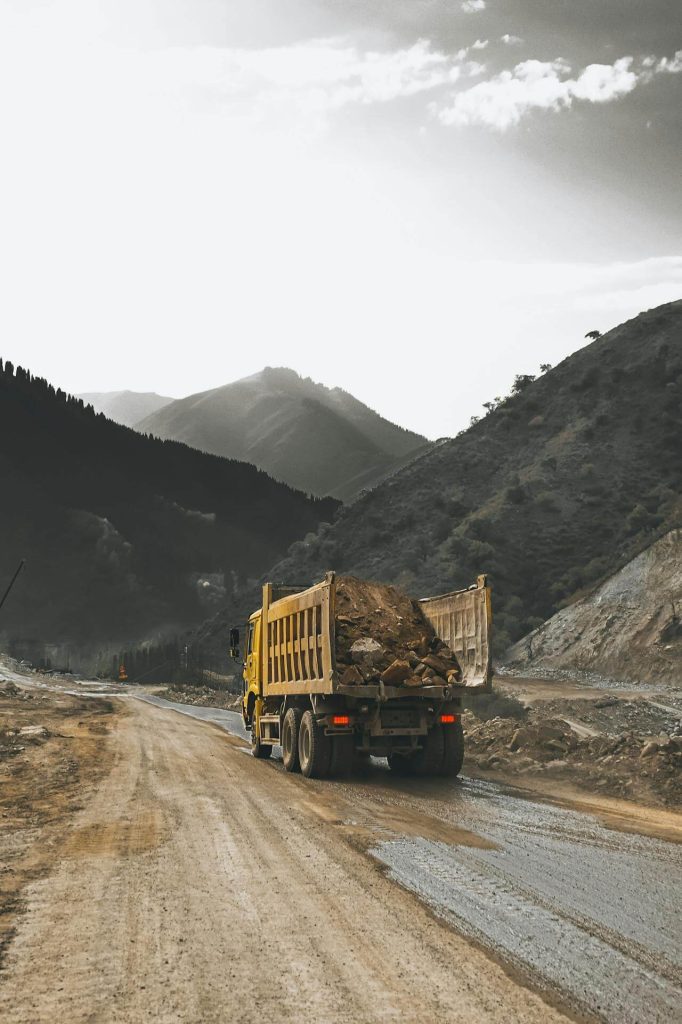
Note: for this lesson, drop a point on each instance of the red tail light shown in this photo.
(340, 719)
(448, 719)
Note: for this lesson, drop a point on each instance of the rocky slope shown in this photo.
(550, 493)
(630, 627)
(320, 440)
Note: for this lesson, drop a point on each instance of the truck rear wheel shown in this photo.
(453, 749)
(314, 748)
(429, 759)
(342, 756)
(290, 730)
(259, 749)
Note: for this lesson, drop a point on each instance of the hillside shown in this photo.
(125, 407)
(550, 493)
(318, 439)
(124, 535)
(627, 628)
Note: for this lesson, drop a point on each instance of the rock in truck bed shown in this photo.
(383, 635)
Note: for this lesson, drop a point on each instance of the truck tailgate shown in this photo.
(462, 619)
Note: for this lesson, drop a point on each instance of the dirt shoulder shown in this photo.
(53, 751)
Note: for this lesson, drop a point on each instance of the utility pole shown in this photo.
(22, 563)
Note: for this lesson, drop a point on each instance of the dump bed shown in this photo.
(298, 645)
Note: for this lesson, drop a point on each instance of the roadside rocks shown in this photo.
(520, 738)
(202, 696)
(13, 739)
(628, 764)
(34, 733)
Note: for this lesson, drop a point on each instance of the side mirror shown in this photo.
(234, 644)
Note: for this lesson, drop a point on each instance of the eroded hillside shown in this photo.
(628, 628)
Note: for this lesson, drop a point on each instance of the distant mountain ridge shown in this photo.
(125, 536)
(125, 407)
(320, 440)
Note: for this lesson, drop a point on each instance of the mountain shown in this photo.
(627, 628)
(125, 536)
(552, 492)
(125, 407)
(318, 439)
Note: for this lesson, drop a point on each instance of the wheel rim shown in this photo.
(286, 740)
(305, 743)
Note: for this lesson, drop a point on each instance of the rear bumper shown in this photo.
(381, 693)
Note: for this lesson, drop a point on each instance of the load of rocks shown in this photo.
(383, 636)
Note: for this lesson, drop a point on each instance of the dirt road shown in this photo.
(200, 885)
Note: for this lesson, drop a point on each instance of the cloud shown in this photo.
(480, 44)
(314, 77)
(672, 66)
(473, 6)
(510, 40)
(502, 101)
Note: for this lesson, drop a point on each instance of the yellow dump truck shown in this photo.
(294, 696)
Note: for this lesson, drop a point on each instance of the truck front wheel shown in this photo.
(291, 727)
(259, 749)
(314, 748)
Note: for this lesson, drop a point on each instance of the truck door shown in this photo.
(252, 664)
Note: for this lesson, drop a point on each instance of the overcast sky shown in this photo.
(412, 199)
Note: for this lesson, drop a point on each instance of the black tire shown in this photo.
(401, 765)
(258, 749)
(453, 749)
(429, 759)
(290, 730)
(314, 748)
(342, 755)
